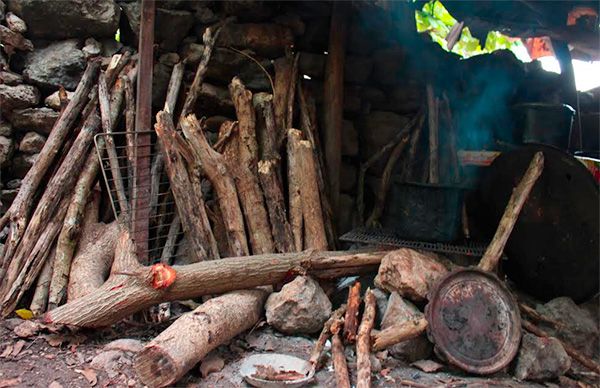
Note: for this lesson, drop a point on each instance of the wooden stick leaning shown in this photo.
(315, 354)
(351, 316)
(39, 301)
(340, 367)
(398, 333)
(294, 137)
(363, 342)
(492, 255)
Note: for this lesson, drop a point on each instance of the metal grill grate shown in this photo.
(165, 236)
(389, 237)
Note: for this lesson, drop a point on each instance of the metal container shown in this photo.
(544, 123)
(424, 212)
(474, 321)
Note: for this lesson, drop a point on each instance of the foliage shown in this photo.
(435, 19)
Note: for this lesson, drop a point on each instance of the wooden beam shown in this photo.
(143, 122)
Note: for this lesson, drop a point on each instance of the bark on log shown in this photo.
(131, 289)
(340, 367)
(130, 139)
(213, 165)
(271, 186)
(432, 114)
(398, 333)
(489, 261)
(39, 302)
(335, 318)
(248, 145)
(170, 355)
(188, 198)
(294, 174)
(266, 129)
(19, 211)
(351, 317)
(314, 226)
(283, 79)
(363, 342)
(333, 99)
(289, 120)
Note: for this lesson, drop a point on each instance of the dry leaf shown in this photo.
(89, 374)
(18, 347)
(10, 382)
(7, 351)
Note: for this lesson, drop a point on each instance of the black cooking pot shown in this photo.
(544, 123)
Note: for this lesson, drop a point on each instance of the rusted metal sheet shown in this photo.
(474, 321)
(143, 122)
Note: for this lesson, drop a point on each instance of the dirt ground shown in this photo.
(66, 361)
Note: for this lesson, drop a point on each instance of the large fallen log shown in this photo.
(170, 355)
(131, 290)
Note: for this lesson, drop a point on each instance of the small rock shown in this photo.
(15, 23)
(428, 366)
(125, 345)
(21, 164)
(580, 328)
(300, 307)
(7, 147)
(212, 363)
(53, 100)
(27, 329)
(40, 120)
(5, 129)
(32, 143)
(19, 96)
(10, 78)
(92, 48)
(541, 359)
(400, 310)
(59, 64)
(107, 361)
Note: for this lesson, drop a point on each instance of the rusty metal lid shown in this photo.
(474, 321)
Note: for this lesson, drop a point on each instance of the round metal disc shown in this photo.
(553, 248)
(474, 321)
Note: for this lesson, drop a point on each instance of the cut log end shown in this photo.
(155, 367)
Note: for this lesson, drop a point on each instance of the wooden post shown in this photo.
(143, 122)
(333, 99)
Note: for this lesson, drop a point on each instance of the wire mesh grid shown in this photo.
(165, 240)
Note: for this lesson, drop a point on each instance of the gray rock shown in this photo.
(92, 48)
(5, 129)
(400, 310)
(132, 11)
(381, 298)
(357, 69)
(108, 361)
(541, 359)
(10, 78)
(53, 100)
(580, 328)
(40, 120)
(60, 63)
(166, 34)
(7, 147)
(21, 164)
(15, 23)
(348, 177)
(19, 96)
(51, 19)
(349, 139)
(32, 143)
(300, 307)
(169, 59)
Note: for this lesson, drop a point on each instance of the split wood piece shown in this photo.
(571, 351)
(340, 367)
(432, 114)
(209, 38)
(130, 140)
(14, 40)
(20, 209)
(39, 301)
(213, 165)
(308, 120)
(333, 99)
(171, 355)
(373, 159)
(113, 158)
(226, 131)
(283, 78)
(489, 261)
(189, 201)
(117, 65)
(314, 226)
(131, 289)
(363, 342)
(271, 186)
(384, 185)
(398, 333)
(289, 121)
(266, 129)
(351, 317)
(248, 145)
(294, 176)
(315, 355)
